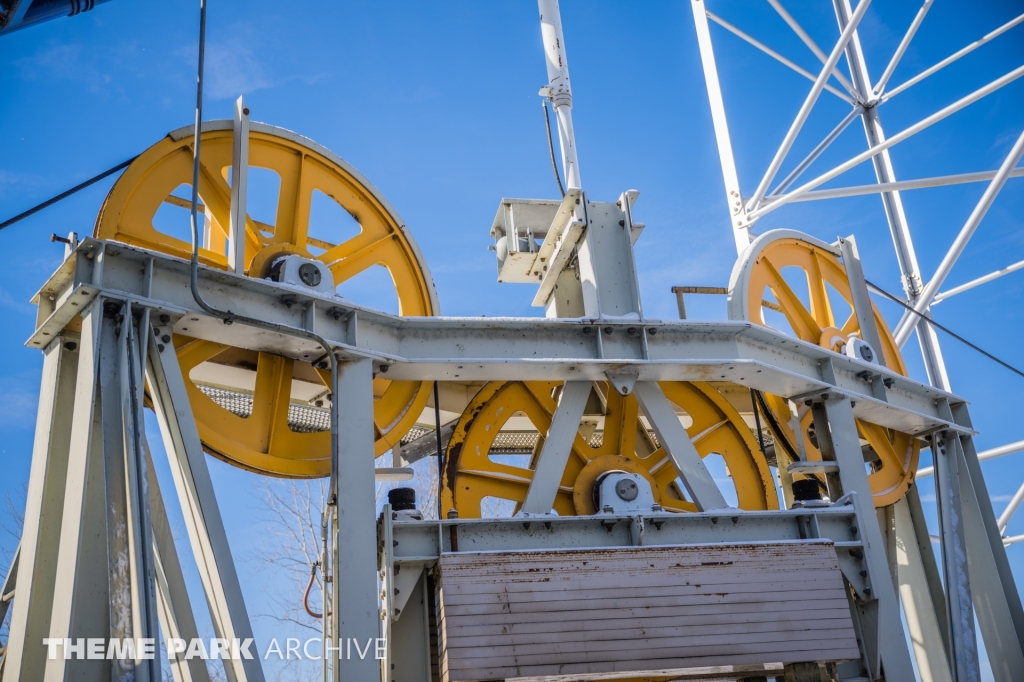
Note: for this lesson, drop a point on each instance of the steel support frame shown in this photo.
(86, 562)
(480, 348)
(94, 269)
(355, 618)
(30, 616)
(199, 505)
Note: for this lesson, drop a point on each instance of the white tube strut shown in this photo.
(738, 221)
(558, 89)
(909, 321)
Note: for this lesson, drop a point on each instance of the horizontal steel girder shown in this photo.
(482, 348)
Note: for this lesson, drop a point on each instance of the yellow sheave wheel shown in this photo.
(761, 268)
(471, 474)
(263, 441)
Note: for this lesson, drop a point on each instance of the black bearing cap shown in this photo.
(806, 490)
(402, 499)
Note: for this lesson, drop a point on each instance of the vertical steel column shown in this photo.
(898, 226)
(81, 601)
(925, 626)
(25, 657)
(239, 189)
(964, 650)
(996, 600)
(355, 617)
(558, 88)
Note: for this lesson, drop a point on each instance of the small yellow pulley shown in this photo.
(810, 287)
(265, 391)
(613, 438)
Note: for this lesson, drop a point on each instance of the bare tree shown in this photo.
(291, 512)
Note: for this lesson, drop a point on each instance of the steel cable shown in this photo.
(952, 333)
(64, 195)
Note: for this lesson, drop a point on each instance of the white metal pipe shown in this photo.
(559, 89)
(1013, 539)
(1008, 449)
(809, 42)
(909, 321)
(895, 139)
(904, 44)
(817, 151)
(773, 54)
(878, 187)
(1007, 514)
(239, 186)
(977, 282)
(808, 104)
(738, 222)
(952, 58)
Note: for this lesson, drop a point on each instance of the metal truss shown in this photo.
(745, 209)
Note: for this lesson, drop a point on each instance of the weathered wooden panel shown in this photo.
(610, 612)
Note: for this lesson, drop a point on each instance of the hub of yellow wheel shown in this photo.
(473, 473)
(782, 265)
(265, 439)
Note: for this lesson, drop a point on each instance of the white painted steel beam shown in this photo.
(941, 296)
(355, 613)
(996, 599)
(199, 507)
(1008, 449)
(557, 447)
(775, 55)
(481, 348)
(81, 601)
(895, 139)
(809, 42)
(952, 58)
(910, 320)
(816, 152)
(899, 185)
(559, 89)
(892, 644)
(694, 474)
(239, 188)
(175, 609)
(808, 104)
(41, 529)
(738, 221)
(902, 48)
(953, 540)
(1011, 508)
(862, 307)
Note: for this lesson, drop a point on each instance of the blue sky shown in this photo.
(436, 104)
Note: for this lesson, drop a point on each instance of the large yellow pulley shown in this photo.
(617, 439)
(810, 287)
(262, 435)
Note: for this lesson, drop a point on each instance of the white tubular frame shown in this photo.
(962, 531)
(559, 89)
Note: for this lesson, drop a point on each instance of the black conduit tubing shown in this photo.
(226, 315)
(64, 195)
(757, 422)
(551, 147)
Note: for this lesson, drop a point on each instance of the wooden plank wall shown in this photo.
(572, 612)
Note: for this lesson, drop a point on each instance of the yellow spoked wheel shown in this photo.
(473, 472)
(264, 440)
(819, 274)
